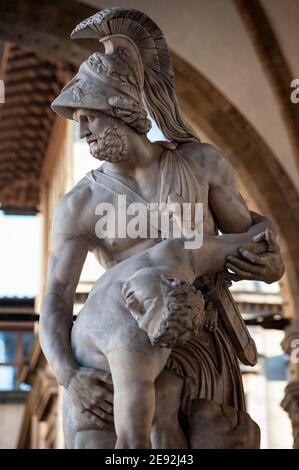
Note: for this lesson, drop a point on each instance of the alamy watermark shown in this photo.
(2, 92)
(295, 93)
(137, 220)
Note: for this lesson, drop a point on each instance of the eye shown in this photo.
(90, 118)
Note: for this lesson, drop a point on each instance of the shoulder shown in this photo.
(70, 210)
(209, 161)
(75, 199)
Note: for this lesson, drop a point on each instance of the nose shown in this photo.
(83, 128)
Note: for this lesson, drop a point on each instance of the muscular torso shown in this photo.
(86, 196)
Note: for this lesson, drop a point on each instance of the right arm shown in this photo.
(56, 318)
(87, 387)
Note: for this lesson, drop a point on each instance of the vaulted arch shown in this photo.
(273, 62)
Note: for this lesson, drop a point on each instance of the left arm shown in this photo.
(233, 216)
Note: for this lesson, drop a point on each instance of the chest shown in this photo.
(121, 231)
(118, 226)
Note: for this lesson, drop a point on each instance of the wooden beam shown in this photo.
(4, 53)
(56, 141)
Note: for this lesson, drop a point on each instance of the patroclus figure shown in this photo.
(152, 359)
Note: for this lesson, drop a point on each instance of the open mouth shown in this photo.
(92, 142)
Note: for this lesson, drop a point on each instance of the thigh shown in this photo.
(129, 365)
(79, 432)
(133, 374)
(166, 431)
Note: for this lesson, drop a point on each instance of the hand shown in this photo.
(90, 391)
(267, 267)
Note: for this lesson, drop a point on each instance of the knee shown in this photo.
(133, 427)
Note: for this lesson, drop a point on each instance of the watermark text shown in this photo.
(154, 220)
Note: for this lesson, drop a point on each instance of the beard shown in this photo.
(110, 146)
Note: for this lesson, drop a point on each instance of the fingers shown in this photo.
(96, 400)
(232, 277)
(104, 395)
(107, 407)
(100, 394)
(245, 265)
(271, 242)
(259, 237)
(268, 236)
(240, 272)
(99, 423)
(255, 259)
(108, 397)
(100, 413)
(103, 376)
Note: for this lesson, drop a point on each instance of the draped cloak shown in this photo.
(208, 362)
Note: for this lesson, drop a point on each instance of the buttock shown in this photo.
(89, 345)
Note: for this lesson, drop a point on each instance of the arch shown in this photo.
(273, 62)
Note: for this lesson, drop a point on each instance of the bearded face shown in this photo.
(109, 145)
(105, 135)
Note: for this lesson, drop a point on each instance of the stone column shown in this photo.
(290, 403)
